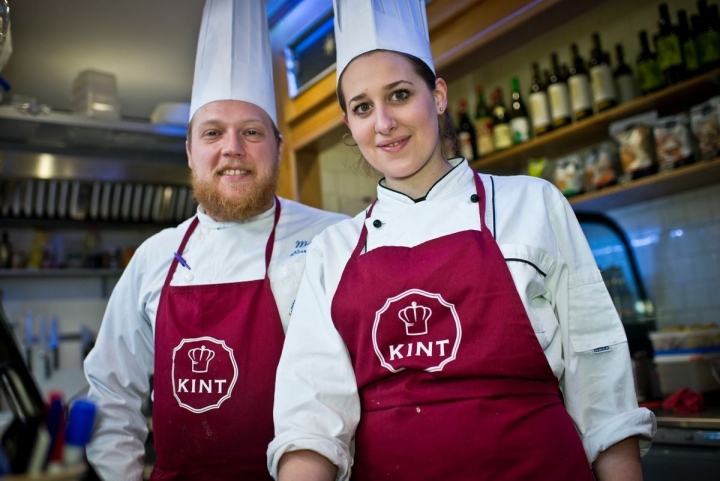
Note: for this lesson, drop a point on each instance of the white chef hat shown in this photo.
(233, 59)
(365, 25)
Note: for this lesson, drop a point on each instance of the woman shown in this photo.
(459, 328)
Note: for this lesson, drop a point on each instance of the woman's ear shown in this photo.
(440, 94)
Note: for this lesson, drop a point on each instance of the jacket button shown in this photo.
(377, 224)
(474, 198)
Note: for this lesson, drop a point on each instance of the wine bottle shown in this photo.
(708, 36)
(650, 78)
(466, 133)
(669, 50)
(687, 41)
(558, 93)
(603, 86)
(539, 105)
(483, 125)
(579, 86)
(519, 120)
(502, 134)
(623, 77)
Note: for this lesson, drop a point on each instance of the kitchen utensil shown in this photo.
(157, 206)
(137, 198)
(182, 193)
(63, 199)
(107, 189)
(148, 197)
(6, 201)
(17, 197)
(94, 207)
(28, 200)
(40, 188)
(117, 201)
(79, 200)
(171, 196)
(52, 198)
(127, 201)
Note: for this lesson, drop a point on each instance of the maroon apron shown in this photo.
(217, 348)
(452, 380)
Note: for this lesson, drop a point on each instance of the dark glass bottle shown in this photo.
(708, 36)
(560, 110)
(519, 119)
(502, 134)
(539, 105)
(483, 125)
(579, 86)
(624, 77)
(603, 86)
(466, 133)
(669, 49)
(650, 78)
(687, 40)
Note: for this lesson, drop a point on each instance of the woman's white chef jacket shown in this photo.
(122, 360)
(316, 400)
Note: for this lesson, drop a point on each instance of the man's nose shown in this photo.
(233, 145)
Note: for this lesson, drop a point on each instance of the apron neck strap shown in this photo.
(480, 191)
(271, 240)
(195, 222)
(363, 233)
(180, 250)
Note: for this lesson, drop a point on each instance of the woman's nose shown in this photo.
(384, 121)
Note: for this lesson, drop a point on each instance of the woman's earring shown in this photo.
(441, 110)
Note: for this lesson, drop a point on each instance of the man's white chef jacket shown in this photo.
(122, 360)
(316, 400)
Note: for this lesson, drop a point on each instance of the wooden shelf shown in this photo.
(594, 129)
(39, 273)
(664, 183)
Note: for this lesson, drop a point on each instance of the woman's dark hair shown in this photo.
(448, 136)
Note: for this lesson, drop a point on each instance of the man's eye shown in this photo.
(210, 133)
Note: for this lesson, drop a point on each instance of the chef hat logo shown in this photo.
(362, 26)
(415, 318)
(200, 357)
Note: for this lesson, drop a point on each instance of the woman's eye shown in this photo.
(361, 109)
(400, 95)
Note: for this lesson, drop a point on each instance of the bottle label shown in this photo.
(649, 76)
(559, 101)
(539, 110)
(708, 45)
(465, 142)
(691, 55)
(626, 87)
(603, 86)
(502, 136)
(484, 127)
(580, 97)
(669, 53)
(520, 127)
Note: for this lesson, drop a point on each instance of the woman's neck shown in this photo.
(417, 185)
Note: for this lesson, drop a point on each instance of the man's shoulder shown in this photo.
(166, 237)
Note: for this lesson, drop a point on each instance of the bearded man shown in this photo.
(203, 306)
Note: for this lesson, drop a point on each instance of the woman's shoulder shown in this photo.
(522, 187)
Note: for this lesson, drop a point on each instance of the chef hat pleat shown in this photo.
(234, 60)
(362, 26)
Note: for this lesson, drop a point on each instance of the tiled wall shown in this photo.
(347, 185)
(677, 244)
